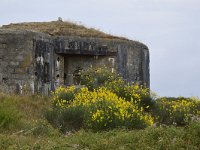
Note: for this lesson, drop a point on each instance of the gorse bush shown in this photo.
(99, 109)
(139, 95)
(62, 96)
(104, 109)
(106, 101)
(102, 77)
(178, 111)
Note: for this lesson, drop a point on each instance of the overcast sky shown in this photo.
(170, 28)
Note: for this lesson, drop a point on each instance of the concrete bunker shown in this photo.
(39, 62)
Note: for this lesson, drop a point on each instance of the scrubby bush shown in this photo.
(136, 94)
(100, 109)
(106, 101)
(178, 111)
(62, 96)
(104, 109)
(102, 77)
(94, 78)
(65, 118)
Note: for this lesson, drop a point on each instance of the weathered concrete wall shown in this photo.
(26, 62)
(44, 64)
(59, 70)
(133, 62)
(16, 62)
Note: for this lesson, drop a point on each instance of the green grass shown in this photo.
(34, 132)
(59, 28)
(150, 138)
(31, 107)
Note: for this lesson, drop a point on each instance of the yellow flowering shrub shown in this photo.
(62, 96)
(102, 77)
(178, 111)
(134, 93)
(105, 102)
(102, 109)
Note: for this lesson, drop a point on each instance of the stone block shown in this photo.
(10, 70)
(14, 63)
(19, 57)
(3, 64)
(2, 45)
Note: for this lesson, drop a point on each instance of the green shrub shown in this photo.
(178, 111)
(94, 78)
(65, 119)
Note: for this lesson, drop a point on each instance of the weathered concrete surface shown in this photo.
(129, 58)
(34, 62)
(16, 61)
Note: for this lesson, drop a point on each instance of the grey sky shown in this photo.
(170, 28)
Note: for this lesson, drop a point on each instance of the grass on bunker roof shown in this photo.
(61, 28)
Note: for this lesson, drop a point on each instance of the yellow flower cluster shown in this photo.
(185, 106)
(104, 107)
(62, 96)
(178, 111)
(136, 92)
(101, 108)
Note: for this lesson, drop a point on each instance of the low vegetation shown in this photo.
(168, 137)
(177, 111)
(104, 113)
(61, 28)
